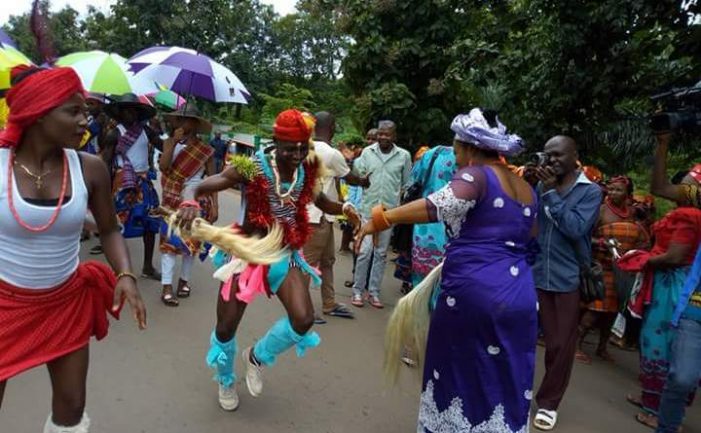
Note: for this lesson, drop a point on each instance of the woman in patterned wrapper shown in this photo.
(277, 188)
(480, 353)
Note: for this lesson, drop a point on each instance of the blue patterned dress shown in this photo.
(428, 246)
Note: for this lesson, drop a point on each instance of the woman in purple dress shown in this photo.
(480, 353)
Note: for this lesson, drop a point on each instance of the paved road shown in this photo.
(156, 381)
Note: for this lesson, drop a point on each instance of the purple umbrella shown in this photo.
(188, 72)
(6, 40)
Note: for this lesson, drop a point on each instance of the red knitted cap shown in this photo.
(291, 126)
(34, 96)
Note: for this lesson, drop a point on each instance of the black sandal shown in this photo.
(169, 300)
(183, 291)
(340, 310)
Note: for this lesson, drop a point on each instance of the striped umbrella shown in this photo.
(167, 98)
(107, 73)
(189, 73)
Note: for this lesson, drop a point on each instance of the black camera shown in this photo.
(539, 159)
(681, 110)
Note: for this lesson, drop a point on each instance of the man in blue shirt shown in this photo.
(569, 208)
(220, 147)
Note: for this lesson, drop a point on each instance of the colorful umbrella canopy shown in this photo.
(189, 73)
(167, 98)
(10, 57)
(106, 73)
(5, 39)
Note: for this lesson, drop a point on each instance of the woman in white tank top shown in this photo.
(50, 304)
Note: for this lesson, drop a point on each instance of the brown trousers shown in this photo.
(320, 252)
(559, 317)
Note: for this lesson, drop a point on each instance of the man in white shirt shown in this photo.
(320, 250)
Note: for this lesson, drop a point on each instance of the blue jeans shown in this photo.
(371, 260)
(683, 377)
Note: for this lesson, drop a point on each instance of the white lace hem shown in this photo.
(451, 420)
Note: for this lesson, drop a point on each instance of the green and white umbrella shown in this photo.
(10, 57)
(107, 73)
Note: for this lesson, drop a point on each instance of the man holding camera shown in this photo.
(569, 209)
(685, 369)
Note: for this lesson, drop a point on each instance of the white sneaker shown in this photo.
(228, 397)
(254, 374)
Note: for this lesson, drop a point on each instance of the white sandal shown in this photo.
(545, 420)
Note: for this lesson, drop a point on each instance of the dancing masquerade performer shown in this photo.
(127, 151)
(480, 353)
(185, 161)
(277, 188)
(50, 307)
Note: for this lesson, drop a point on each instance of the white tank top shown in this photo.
(41, 260)
(137, 153)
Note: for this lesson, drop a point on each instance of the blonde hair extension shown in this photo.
(252, 249)
(408, 326)
(321, 173)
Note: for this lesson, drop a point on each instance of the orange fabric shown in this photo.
(592, 173)
(630, 235)
(38, 326)
(420, 152)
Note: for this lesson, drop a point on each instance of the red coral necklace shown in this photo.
(623, 213)
(11, 201)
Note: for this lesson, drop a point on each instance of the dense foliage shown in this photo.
(585, 68)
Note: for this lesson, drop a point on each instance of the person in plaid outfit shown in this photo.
(186, 160)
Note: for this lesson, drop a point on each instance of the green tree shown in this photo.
(310, 46)
(580, 67)
(397, 56)
(65, 31)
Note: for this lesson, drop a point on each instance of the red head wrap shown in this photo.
(620, 179)
(695, 172)
(291, 126)
(34, 97)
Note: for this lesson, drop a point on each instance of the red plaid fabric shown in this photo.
(186, 164)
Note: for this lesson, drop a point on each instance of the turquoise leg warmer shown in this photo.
(221, 357)
(281, 337)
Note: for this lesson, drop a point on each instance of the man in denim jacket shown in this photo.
(569, 209)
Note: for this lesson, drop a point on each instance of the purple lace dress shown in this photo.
(480, 356)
